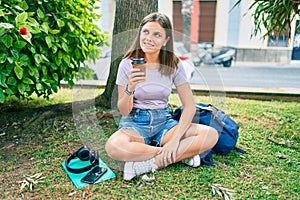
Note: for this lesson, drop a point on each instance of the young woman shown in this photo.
(148, 138)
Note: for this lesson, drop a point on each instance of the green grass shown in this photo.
(269, 132)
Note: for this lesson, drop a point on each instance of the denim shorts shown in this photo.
(150, 124)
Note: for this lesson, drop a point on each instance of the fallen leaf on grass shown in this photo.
(71, 194)
(275, 141)
(146, 180)
(223, 192)
(30, 181)
(15, 124)
(280, 155)
(9, 146)
(106, 115)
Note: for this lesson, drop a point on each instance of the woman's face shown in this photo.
(152, 37)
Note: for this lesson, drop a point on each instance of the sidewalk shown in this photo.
(295, 64)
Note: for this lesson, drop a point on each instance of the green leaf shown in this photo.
(44, 69)
(24, 60)
(54, 48)
(53, 66)
(54, 88)
(32, 49)
(2, 80)
(6, 25)
(38, 58)
(11, 81)
(3, 57)
(39, 87)
(7, 40)
(27, 81)
(67, 59)
(77, 54)
(20, 44)
(15, 53)
(18, 8)
(19, 72)
(60, 23)
(60, 54)
(71, 27)
(21, 88)
(10, 60)
(34, 72)
(45, 58)
(65, 47)
(23, 5)
(33, 22)
(40, 14)
(70, 83)
(55, 31)
(45, 27)
(27, 88)
(2, 97)
(2, 31)
(48, 41)
(10, 91)
(21, 18)
(55, 76)
(57, 60)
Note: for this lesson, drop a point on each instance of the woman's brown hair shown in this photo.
(168, 60)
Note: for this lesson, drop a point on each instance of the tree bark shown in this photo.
(128, 16)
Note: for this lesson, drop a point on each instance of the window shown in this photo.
(276, 40)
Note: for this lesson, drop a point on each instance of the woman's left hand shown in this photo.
(169, 152)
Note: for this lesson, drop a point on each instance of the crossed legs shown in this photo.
(127, 145)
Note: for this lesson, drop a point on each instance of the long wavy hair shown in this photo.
(168, 60)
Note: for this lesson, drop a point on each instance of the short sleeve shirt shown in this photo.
(154, 92)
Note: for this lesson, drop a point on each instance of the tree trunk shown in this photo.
(127, 19)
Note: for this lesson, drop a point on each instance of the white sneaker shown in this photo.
(133, 169)
(193, 162)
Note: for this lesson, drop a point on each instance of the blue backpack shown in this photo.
(227, 128)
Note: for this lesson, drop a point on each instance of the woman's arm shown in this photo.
(125, 102)
(189, 109)
(169, 151)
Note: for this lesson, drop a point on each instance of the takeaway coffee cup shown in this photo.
(139, 63)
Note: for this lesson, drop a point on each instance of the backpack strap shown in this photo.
(207, 160)
(239, 150)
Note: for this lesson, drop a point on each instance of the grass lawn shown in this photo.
(35, 140)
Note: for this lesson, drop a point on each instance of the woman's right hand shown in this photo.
(134, 78)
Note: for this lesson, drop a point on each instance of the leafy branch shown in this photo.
(275, 16)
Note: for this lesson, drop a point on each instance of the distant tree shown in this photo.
(128, 16)
(186, 11)
(273, 15)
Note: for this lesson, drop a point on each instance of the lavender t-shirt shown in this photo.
(155, 91)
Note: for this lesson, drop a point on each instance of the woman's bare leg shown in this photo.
(197, 139)
(127, 145)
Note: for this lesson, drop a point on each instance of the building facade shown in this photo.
(218, 22)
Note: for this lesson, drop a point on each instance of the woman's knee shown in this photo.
(214, 135)
(208, 133)
(112, 145)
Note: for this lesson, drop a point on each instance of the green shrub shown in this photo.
(43, 42)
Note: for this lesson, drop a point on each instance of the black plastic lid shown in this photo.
(138, 61)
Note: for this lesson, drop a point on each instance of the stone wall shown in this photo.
(263, 55)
